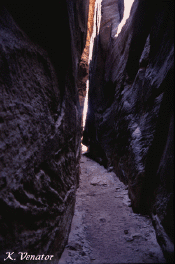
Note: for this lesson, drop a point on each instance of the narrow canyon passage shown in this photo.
(118, 57)
(104, 228)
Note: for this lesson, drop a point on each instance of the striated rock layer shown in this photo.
(40, 49)
(130, 122)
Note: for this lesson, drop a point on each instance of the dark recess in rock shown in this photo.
(130, 124)
(40, 50)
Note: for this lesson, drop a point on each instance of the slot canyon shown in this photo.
(87, 132)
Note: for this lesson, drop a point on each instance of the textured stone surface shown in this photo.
(130, 117)
(40, 49)
(105, 27)
(104, 228)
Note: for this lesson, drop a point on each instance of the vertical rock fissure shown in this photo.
(83, 72)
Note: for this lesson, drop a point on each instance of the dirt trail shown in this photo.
(104, 229)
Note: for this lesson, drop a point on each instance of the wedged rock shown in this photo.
(40, 49)
(130, 117)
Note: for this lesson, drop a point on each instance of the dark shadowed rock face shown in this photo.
(130, 118)
(39, 138)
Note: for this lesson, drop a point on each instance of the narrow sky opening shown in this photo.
(127, 9)
(96, 5)
(85, 104)
(95, 32)
(85, 109)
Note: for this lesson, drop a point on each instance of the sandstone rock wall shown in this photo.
(108, 15)
(40, 49)
(130, 117)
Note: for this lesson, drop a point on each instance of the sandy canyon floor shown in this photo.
(104, 228)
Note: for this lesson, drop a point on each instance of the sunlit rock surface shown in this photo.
(40, 49)
(130, 117)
